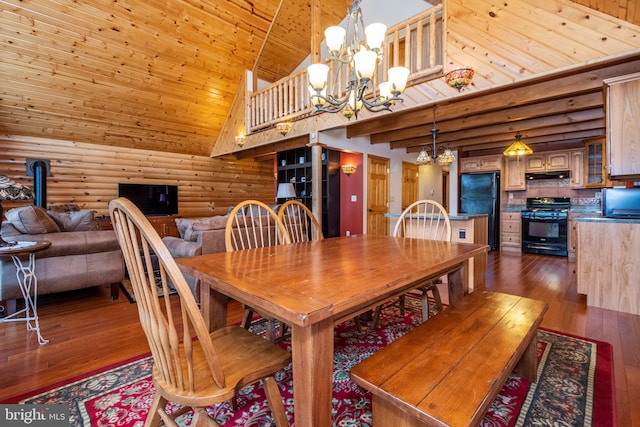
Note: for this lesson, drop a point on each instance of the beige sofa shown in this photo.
(80, 254)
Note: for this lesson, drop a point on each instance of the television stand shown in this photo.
(165, 225)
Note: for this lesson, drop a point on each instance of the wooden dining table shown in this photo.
(313, 286)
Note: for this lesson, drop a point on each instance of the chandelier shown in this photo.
(359, 51)
(518, 148)
(446, 158)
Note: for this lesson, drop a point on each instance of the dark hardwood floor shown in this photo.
(87, 331)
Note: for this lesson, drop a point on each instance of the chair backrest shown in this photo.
(253, 224)
(161, 320)
(424, 219)
(300, 222)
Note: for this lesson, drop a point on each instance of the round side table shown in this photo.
(28, 282)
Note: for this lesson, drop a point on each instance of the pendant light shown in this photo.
(518, 148)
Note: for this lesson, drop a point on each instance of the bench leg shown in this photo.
(527, 367)
(383, 413)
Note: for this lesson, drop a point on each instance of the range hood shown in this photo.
(547, 175)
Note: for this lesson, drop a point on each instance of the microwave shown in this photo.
(621, 202)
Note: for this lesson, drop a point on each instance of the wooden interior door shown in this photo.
(445, 190)
(409, 184)
(377, 195)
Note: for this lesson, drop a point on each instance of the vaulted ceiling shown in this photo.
(162, 74)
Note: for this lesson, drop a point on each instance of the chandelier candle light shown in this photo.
(360, 56)
(446, 158)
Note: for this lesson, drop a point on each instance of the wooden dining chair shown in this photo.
(303, 226)
(253, 224)
(192, 367)
(300, 222)
(424, 219)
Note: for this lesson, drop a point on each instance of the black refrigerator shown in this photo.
(480, 194)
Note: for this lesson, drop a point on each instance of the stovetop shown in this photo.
(553, 204)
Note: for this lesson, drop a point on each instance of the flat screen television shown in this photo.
(152, 199)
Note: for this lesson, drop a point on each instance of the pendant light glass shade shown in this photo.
(518, 148)
(446, 158)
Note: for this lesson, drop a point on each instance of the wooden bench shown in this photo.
(448, 370)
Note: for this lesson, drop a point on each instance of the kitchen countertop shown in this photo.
(454, 217)
(599, 218)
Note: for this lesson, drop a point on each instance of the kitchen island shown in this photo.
(466, 228)
(608, 262)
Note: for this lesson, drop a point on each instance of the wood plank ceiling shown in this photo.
(161, 74)
(150, 74)
(544, 80)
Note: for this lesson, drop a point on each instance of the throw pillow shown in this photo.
(32, 220)
(189, 228)
(213, 223)
(82, 220)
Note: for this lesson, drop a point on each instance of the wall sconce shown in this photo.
(240, 140)
(284, 128)
(459, 77)
(348, 169)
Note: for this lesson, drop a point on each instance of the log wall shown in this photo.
(88, 174)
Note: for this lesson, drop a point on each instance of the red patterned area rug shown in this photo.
(575, 387)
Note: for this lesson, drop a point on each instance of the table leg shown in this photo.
(213, 306)
(27, 280)
(312, 357)
(458, 282)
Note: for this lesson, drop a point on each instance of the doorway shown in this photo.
(409, 184)
(377, 195)
(445, 190)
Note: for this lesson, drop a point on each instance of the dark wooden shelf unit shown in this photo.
(295, 166)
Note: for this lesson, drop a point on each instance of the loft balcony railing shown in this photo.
(417, 43)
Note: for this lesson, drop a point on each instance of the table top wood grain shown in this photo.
(305, 282)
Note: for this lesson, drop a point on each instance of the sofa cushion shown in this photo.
(74, 243)
(82, 220)
(189, 228)
(32, 220)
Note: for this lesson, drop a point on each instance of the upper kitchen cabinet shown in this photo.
(514, 174)
(545, 162)
(594, 163)
(481, 163)
(623, 130)
(576, 158)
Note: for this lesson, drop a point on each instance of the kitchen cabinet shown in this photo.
(594, 164)
(514, 174)
(623, 129)
(546, 162)
(607, 267)
(511, 232)
(481, 163)
(576, 159)
(572, 235)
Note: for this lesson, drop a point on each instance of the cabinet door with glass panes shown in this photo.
(595, 166)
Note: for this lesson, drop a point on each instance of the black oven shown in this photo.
(544, 226)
